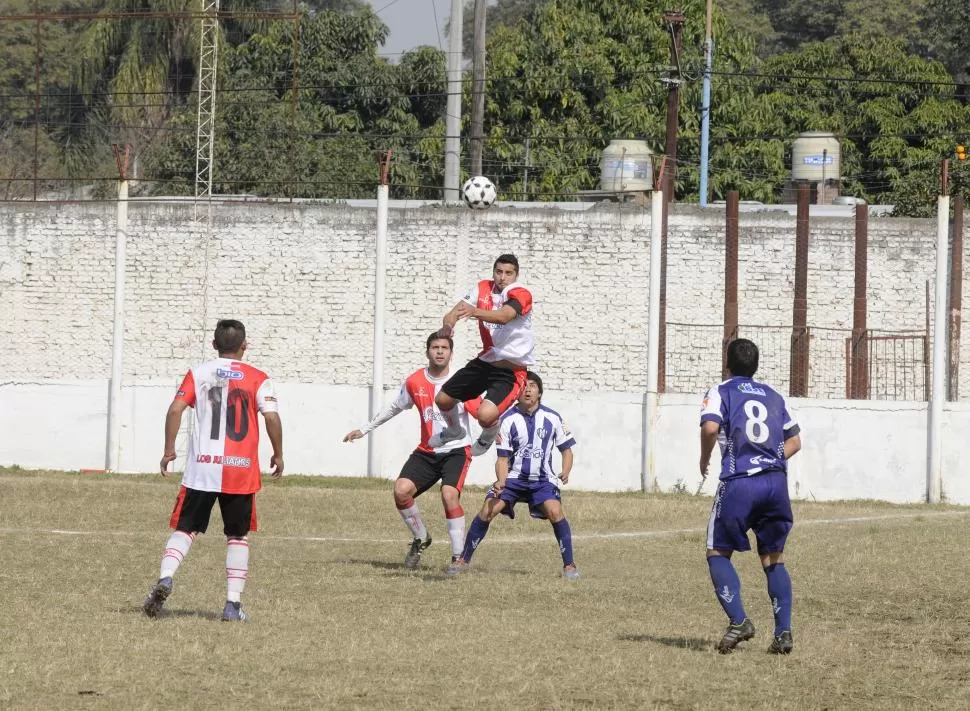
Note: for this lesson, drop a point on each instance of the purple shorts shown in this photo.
(533, 492)
(759, 503)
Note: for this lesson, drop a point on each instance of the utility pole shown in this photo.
(706, 103)
(453, 108)
(478, 90)
(675, 24)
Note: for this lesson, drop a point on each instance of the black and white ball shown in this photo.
(478, 192)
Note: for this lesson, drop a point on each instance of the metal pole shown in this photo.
(706, 103)
(934, 429)
(730, 275)
(453, 108)
(648, 479)
(113, 454)
(859, 375)
(675, 25)
(798, 373)
(477, 129)
(956, 298)
(377, 368)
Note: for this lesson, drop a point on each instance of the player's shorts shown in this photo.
(500, 386)
(759, 503)
(427, 468)
(193, 508)
(532, 492)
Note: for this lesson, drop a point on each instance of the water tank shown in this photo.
(815, 157)
(626, 165)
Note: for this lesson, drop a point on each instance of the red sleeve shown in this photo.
(522, 295)
(471, 406)
(186, 391)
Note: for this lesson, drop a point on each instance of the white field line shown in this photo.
(612, 535)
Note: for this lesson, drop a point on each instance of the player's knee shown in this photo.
(404, 491)
(450, 496)
(444, 401)
(772, 559)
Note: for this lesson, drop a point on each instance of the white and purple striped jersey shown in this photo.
(754, 424)
(527, 440)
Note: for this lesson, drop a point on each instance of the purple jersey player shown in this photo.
(757, 435)
(524, 473)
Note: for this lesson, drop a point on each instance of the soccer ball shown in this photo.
(478, 192)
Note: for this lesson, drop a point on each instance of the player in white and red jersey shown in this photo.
(222, 463)
(503, 308)
(428, 465)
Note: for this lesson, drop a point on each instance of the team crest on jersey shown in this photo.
(750, 389)
(541, 431)
(229, 374)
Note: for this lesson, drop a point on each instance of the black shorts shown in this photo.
(500, 386)
(426, 468)
(193, 508)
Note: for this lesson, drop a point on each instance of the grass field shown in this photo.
(880, 620)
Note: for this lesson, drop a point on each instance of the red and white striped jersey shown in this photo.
(224, 442)
(512, 341)
(420, 390)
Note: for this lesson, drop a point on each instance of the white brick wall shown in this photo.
(302, 279)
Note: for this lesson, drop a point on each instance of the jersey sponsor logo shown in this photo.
(421, 392)
(180, 393)
(531, 452)
(228, 374)
(431, 415)
(227, 461)
(749, 389)
(762, 460)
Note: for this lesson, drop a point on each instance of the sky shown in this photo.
(412, 23)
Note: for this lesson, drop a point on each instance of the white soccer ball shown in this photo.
(478, 192)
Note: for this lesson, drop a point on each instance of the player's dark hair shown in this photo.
(230, 335)
(529, 375)
(435, 337)
(507, 259)
(742, 357)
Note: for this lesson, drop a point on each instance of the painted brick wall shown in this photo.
(301, 276)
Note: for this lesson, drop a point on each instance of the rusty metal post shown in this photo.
(956, 300)
(859, 387)
(674, 20)
(798, 370)
(730, 276)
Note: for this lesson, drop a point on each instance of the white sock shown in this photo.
(451, 418)
(456, 530)
(237, 567)
(412, 519)
(175, 551)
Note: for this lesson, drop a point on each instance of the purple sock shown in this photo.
(565, 537)
(476, 532)
(727, 586)
(779, 590)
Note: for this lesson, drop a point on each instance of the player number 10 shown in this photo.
(237, 421)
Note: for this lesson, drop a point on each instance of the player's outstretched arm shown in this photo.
(567, 465)
(173, 420)
(274, 429)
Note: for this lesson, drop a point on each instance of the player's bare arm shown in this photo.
(567, 465)
(173, 420)
(792, 446)
(500, 316)
(274, 429)
(501, 474)
(709, 432)
(457, 313)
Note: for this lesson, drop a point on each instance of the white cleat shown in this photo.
(448, 434)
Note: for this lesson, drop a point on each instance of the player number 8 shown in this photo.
(756, 428)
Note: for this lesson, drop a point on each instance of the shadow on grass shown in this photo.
(430, 572)
(695, 644)
(179, 612)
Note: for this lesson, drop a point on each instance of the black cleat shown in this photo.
(413, 557)
(782, 644)
(157, 597)
(734, 635)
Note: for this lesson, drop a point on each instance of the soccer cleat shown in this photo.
(233, 612)
(484, 441)
(570, 572)
(458, 565)
(446, 435)
(734, 635)
(413, 557)
(782, 644)
(157, 597)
